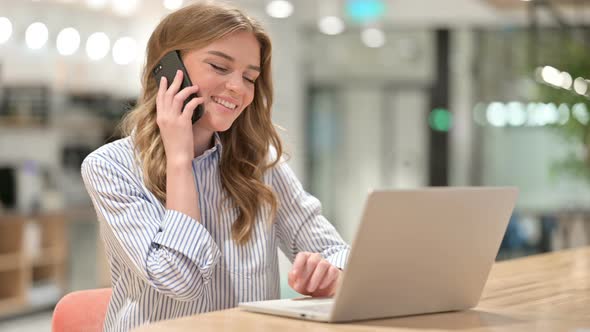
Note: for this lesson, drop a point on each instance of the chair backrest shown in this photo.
(81, 311)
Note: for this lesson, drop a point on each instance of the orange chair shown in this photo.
(81, 311)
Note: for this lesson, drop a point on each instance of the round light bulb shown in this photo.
(331, 25)
(279, 9)
(373, 37)
(124, 50)
(5, 30)
(580, 86)
(97, 46)
(36, 35)
(172, 4)
(68, 41)
(125, 7)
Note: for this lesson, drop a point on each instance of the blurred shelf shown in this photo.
(11, 261)
(29, 282)
(51, 256)
(11, 306)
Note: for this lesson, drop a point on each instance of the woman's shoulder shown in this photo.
(273, 155)
(279, 162)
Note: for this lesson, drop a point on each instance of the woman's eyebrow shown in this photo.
(230, 58)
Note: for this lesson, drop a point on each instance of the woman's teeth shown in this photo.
(224, 103)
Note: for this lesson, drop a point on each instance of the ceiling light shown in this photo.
(279, 9)
(566, 80)
(124, 51)
(36, 35)
(68, 41)
(580, 86)
(331, 25)
(551, 75)
(97, 46)
(5, 29)
(172, 4)
(580, 112)
(125, 7)
(373, 37)
(496, 114)
(516, 114)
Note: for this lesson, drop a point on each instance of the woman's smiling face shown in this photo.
(224, 71)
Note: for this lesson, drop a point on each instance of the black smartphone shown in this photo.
(167, 67)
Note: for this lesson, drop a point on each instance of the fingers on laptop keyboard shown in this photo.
(301, 271)
(299, 263)
(312, 274)
(331, 277)
(318, 275)
(312, 262)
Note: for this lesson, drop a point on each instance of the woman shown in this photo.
(192, 214)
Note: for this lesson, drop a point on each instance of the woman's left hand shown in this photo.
(313, 275)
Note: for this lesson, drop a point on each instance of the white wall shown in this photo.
(380, 105)
(521, 157)
(288, 83)
(409, 139)
(461, 139)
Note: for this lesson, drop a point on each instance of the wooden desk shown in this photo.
(549, 292)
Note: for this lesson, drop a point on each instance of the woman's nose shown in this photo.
(235, 83)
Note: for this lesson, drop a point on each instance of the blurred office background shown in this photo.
(372, 94)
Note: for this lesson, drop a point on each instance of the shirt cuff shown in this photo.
(184, 234)
(339, 258)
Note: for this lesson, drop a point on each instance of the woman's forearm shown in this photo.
(181, 193)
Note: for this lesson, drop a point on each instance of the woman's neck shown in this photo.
(203, 141)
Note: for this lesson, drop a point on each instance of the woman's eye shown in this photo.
(250, 80)
(218, 68)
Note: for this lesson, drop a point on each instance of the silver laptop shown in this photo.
(415, 252)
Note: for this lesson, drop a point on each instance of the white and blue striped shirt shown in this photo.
(164, 264)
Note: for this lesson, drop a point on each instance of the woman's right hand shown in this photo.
(176, 128)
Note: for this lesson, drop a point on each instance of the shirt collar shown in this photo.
(217, 146)
(217, 141)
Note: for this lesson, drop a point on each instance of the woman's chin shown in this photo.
(220, 130)
(220, 126)
(214, 125)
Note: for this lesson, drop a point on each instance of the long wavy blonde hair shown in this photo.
(245, 156)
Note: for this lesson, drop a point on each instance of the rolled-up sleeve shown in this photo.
(300, 223)
(172, 252)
